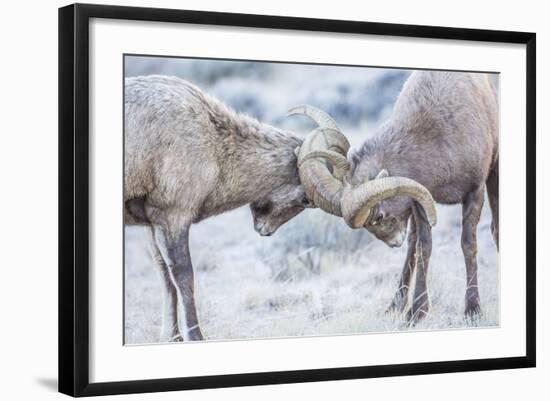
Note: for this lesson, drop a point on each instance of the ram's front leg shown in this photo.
(421, 302)
(400, 298)
(174, 247)
(169, 330)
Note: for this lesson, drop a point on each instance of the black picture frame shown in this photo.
(74, 198)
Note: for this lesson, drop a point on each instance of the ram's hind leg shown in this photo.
(492, 194)
(471, 212)
(169, 328)
(400, 298)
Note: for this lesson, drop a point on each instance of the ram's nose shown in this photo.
(266, 231)
(397, 241)
(263, 229)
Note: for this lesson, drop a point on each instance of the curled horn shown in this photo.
(322, 119)
(322, 160)
(337, 161)
(322, 165)
(358, 201)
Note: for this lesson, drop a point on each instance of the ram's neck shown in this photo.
(387, 149)
(268, 156)
(253, 158)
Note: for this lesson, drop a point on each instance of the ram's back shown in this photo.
(448, 122)
(169, 140)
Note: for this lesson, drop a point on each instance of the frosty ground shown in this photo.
(315, 276)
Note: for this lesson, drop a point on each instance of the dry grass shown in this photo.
(315, 276)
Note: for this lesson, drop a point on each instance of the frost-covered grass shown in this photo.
(315, 276)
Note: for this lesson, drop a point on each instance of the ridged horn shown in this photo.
(358, 201)
(322, 119)
(339, 163)
(322, 161)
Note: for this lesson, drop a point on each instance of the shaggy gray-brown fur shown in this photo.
(443, 133)
(189, 157)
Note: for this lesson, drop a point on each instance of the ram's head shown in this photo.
(324, 168)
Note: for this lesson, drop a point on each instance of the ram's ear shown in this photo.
(382, 174)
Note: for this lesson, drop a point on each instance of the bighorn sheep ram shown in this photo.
(443, 134)
(188, 157)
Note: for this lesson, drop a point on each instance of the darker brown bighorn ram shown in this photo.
(440, 143)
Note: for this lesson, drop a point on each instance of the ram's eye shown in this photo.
(262, 209)
(378, 219)
(305, 202)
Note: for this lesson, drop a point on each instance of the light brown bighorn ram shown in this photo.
(189, 157)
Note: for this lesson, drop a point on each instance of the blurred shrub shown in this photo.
(267, 90)
(309, 242)
(201, 72)
(352, 102)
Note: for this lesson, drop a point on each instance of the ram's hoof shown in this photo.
(397, 304)
(195, 335)
(176, 339)
(415, 315)
(472, 310)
